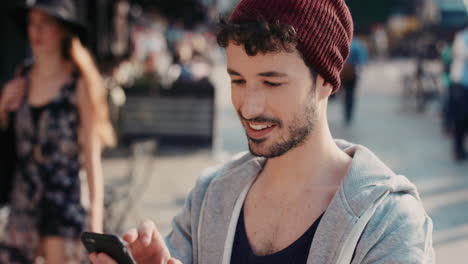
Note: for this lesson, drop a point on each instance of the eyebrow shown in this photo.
(272, 74)
(263, 74)
(232, 72)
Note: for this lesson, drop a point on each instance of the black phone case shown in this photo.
(111, 245)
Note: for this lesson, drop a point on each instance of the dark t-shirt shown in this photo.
(296, 253)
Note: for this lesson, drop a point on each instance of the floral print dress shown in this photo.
(46, 194)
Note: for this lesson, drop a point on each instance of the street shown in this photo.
(411, 144)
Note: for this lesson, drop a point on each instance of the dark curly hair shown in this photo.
(260, 37)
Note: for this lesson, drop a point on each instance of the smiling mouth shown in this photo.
(259, 127)
(257, 131)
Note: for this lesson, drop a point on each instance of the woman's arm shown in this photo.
(92, 158)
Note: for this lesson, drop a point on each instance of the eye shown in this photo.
(272, 84)
(238, 82)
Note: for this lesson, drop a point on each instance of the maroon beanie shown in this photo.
(324, 29)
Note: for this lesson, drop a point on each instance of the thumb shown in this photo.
(174, 261)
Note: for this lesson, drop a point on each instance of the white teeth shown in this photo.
(259, 127)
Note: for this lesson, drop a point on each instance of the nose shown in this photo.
(254, 103)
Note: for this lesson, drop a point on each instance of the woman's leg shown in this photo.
(54, 250)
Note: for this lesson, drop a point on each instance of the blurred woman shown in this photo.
(61, 122)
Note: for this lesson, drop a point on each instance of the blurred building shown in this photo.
(445, 13)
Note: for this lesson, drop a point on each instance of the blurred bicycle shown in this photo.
(421, 87)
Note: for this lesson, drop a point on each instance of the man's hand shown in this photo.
(102, 258)
(146, 245)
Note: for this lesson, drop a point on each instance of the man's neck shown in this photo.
(318, 162)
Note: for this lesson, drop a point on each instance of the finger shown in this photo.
(5, 103)
(20, 81)
(76, 41)
(2, 103)
(174, 261)
(158, 240)
(145, 232)
(148, 228)
(93, 257)
(14, 106)
(131, 235)
(11, 95)
(104, 259)
(18, 84)
(14, 103)
(17, 96)
(7, 94)
(18, 90)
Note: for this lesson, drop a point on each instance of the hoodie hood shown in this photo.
(368, 184)
(368, 178)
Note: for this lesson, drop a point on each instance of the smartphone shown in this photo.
(109, 244)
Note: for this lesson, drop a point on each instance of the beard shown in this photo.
(299, 130)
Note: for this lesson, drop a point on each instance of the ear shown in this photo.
(323, 88)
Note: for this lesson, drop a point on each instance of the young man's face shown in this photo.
(275, 97)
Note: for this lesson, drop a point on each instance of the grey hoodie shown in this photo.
(398, 231)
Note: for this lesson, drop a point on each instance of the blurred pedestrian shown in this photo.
(447, 107)
(61, 116)
(380, 39)
(299, 196)
(459, 75)
(350, 76)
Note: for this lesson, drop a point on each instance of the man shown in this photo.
(459, 76)
(299, 196)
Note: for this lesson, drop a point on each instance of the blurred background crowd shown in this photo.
(404, 94)
(166, 50)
